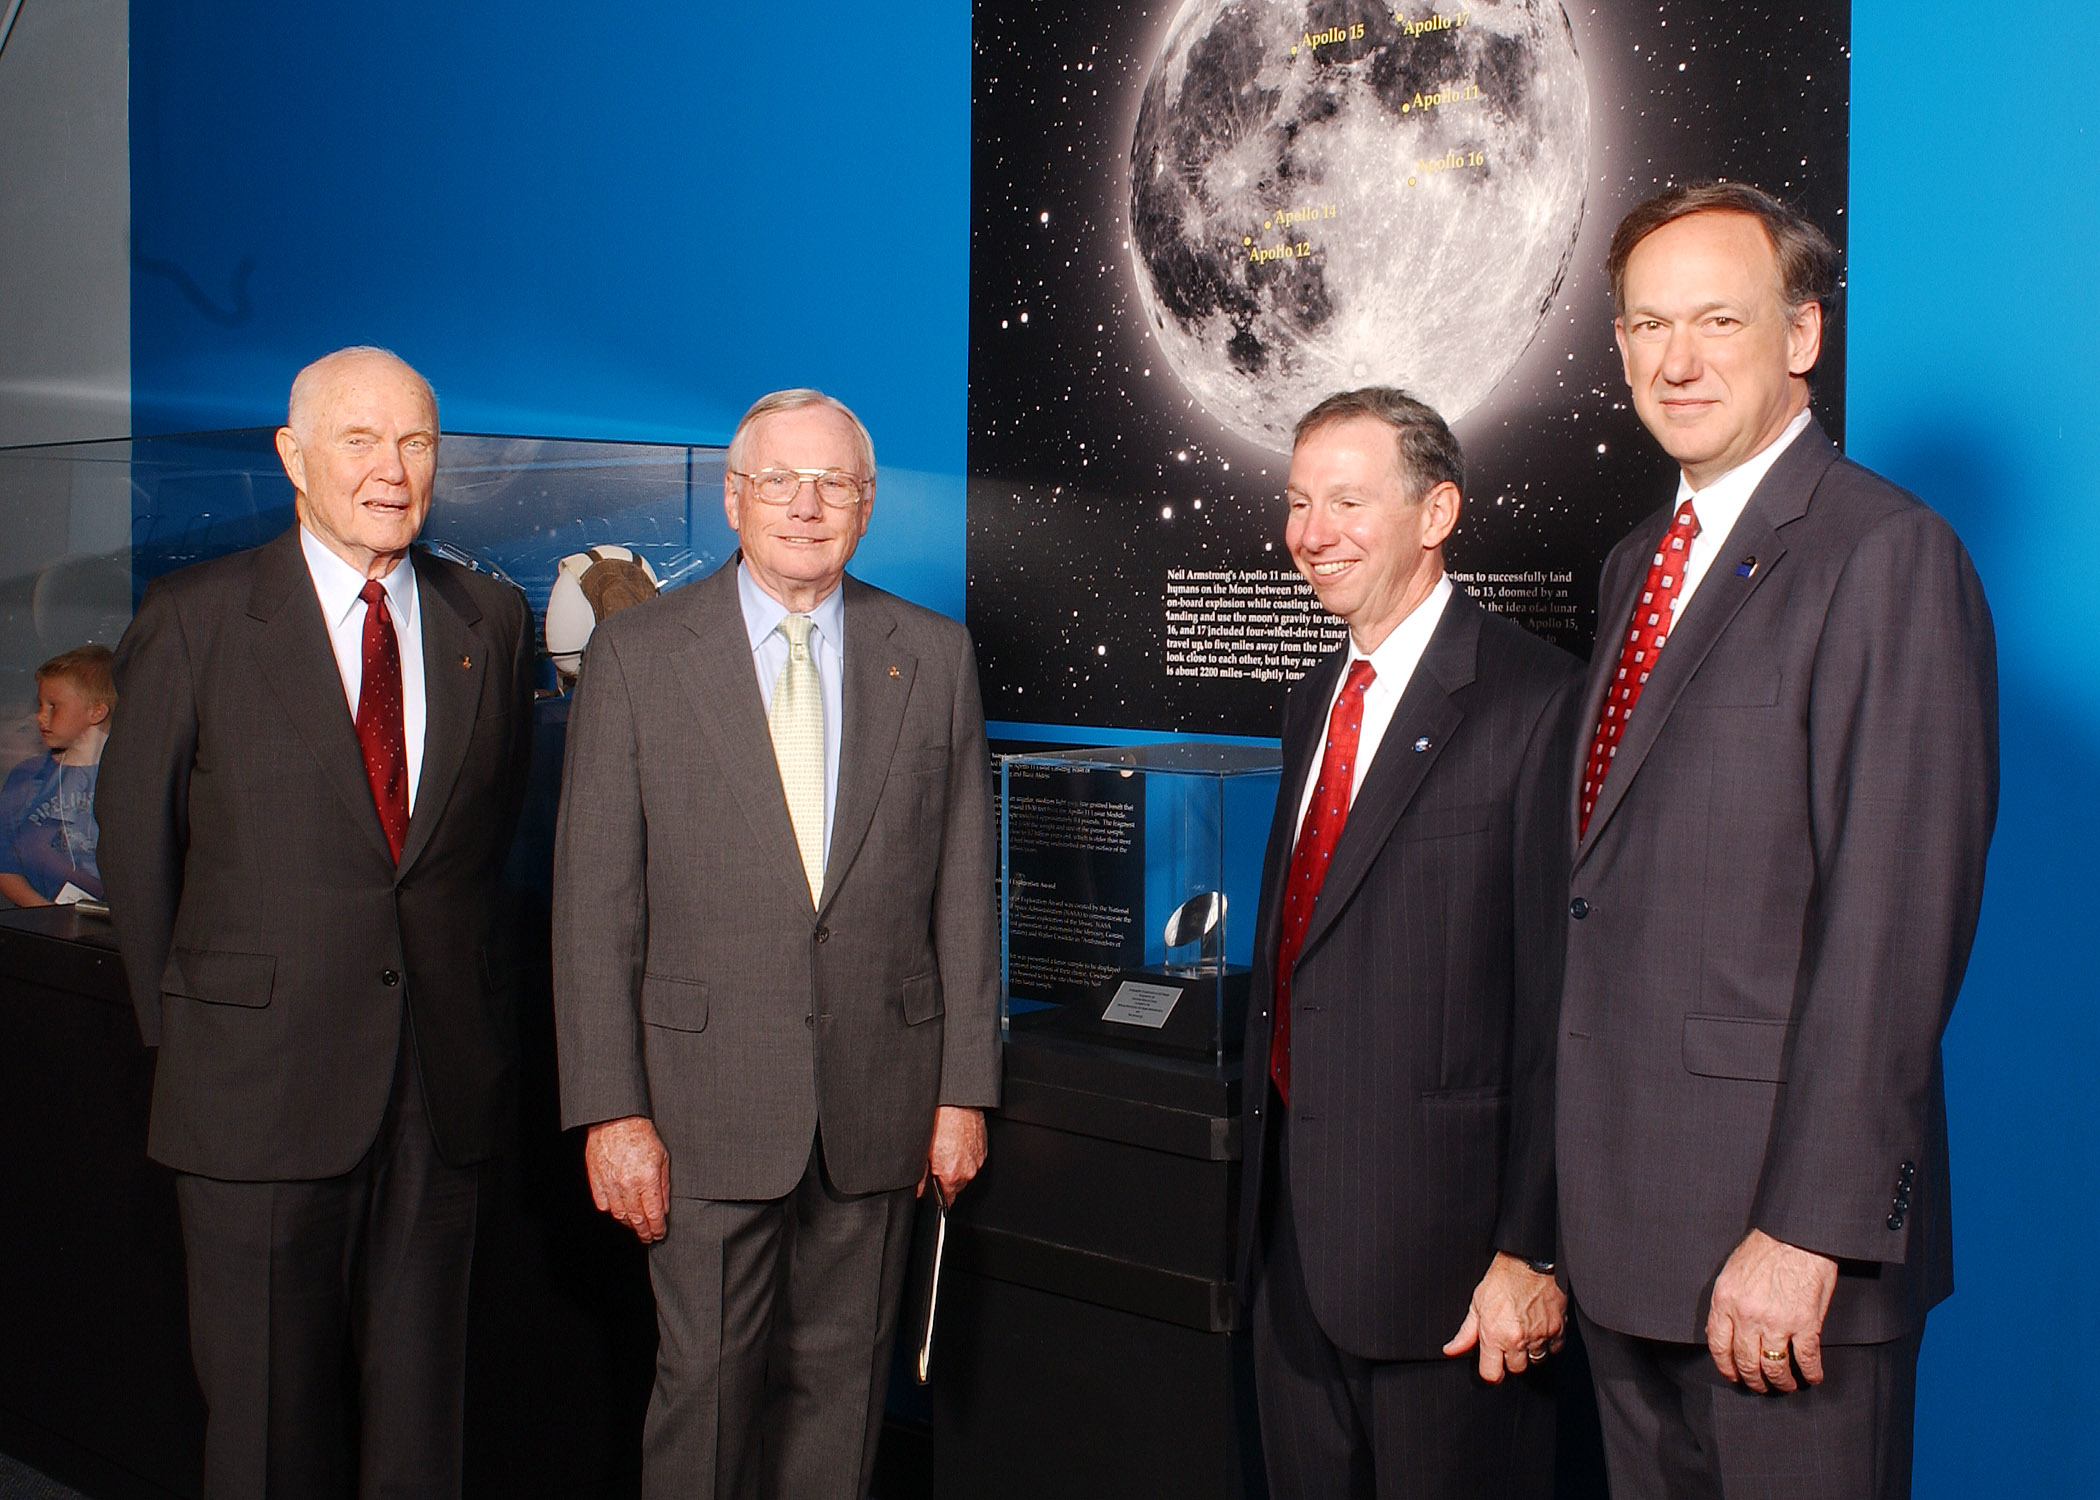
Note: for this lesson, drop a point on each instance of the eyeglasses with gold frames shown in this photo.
(835, 487)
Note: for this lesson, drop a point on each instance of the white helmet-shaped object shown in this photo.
(588, 586)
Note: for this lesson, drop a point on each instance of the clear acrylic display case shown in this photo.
(1129, 879)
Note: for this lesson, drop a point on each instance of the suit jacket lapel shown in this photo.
(1426, 711)
(298, 664)
(453, 664)
(1781, 497)
(714, 666)
(879, 675)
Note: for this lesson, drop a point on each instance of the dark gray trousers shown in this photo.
(1334, 1425)
(328, 1320)
(774, 1322)
(1676, 1429)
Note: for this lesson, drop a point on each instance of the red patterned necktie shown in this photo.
(379, 731)
(1324, 817)
(1646, 631)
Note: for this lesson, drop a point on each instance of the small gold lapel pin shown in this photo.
(895, 673)
(466, 663)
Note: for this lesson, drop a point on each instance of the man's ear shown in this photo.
(1443, 503)
(293, 460)
(1804, 338)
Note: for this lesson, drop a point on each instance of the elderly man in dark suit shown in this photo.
(317, 760)
(1785, 797)
(1397, 1216)
(776, 962)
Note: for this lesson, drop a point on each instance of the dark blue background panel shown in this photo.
(620, 223)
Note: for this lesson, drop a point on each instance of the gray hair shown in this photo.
(796, 399)
(1424, 449)
(306, 384)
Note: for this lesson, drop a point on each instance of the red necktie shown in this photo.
(379, 731)
(1646, 631)
(1324, 817)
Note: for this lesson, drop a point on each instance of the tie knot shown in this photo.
(1686, 520)
(372, 592)
(796, 629)
(1361, 673)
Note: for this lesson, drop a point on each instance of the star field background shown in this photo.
(1092, 471)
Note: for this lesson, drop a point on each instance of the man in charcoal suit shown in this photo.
(1786, 791)
(776, 962)
(1397, 1230)
(308, 794)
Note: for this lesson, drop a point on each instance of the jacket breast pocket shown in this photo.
(219, 978)
(1445, 822)
(1753, 688)
(1744, 1047)
(674, 1004)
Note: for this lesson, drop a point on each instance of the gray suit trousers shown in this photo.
(774, 1321)
(1676, 1429)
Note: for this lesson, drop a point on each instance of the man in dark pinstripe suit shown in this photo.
(1397, 1226)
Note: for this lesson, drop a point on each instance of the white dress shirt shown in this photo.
(1720, 506)
(338, 585)
(827, 648)
(1392, 664)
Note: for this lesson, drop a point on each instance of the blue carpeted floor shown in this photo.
(20, 1482)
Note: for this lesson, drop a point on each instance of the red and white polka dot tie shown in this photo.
(379, 732)
(1324, 817)
(1646, 631)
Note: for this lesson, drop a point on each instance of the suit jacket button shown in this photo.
(1895, 1221)
(823, 934)
(1578, 908)
(389, 978)
(810, 1022)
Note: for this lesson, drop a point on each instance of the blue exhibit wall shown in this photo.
(626, 223)
(622, 223)
(1975, 380)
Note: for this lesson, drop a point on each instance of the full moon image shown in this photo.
(1325, 196)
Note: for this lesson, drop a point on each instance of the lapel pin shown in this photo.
(1421, 744)
(466, 663)
(894, 672)
(1747, 568)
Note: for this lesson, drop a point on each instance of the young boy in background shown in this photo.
(47, 804)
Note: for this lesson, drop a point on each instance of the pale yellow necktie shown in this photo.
(796, 718)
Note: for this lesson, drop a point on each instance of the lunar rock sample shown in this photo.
(1325, 196)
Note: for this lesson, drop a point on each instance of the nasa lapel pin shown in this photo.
(894, 672)
(1421, 744)
(466, 663)
(1747, 568)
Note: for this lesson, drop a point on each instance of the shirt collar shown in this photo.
(1409, 639)
(340, 586)
(1724, 498)
(763, 613)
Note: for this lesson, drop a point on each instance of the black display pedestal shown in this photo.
(1086, 1343)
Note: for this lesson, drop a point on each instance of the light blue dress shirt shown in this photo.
(827, 644)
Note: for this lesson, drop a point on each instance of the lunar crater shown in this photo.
(1305, 207)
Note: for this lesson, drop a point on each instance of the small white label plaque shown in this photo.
(1139, 1004)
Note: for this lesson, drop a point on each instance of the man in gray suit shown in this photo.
(775, 952)
(1787, 788)
(318, 757)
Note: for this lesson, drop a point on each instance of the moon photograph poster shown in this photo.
(1192, 220)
